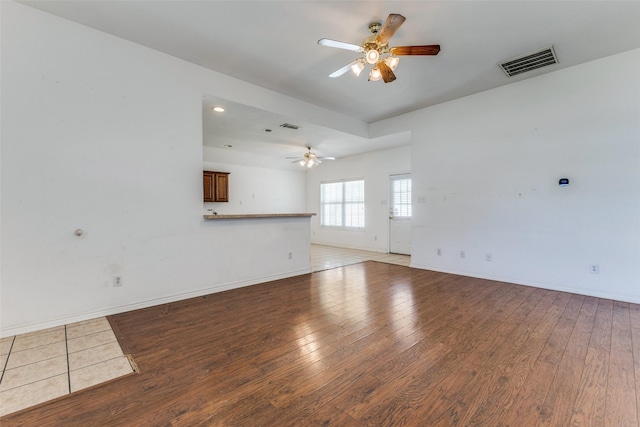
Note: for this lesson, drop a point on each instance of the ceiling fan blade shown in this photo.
(391, 25)
(340, 45)
(386, 72)
(431, 49)
(343, 70)
(326, 158)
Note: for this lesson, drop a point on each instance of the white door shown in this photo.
(400, 214)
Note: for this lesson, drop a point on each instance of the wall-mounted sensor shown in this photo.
(563, 182)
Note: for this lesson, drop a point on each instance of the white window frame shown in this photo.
(342, 205)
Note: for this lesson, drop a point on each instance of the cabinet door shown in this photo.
(208, 186)
(222, 187)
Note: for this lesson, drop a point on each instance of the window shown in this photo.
(342, 204)
(401, 195)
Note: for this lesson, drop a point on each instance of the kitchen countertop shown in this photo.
(251, 216)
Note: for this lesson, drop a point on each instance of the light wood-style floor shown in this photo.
(370, 344)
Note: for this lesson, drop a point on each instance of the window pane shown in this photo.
(354, 191)
(354, 215)
(332, 214)
(331, 192)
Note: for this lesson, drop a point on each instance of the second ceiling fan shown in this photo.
(377, 51)
(310, 159)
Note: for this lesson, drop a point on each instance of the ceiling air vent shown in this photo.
(529, 61)
(289, 126)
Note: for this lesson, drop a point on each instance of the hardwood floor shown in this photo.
(370, 344)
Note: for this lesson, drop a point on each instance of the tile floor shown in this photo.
(326, 257)
(47, 364)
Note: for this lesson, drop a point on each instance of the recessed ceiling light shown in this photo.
(267, 130)
(217, 109)
(228, 146)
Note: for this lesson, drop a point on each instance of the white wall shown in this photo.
(375, 168)
(105, 135)
(488, 166)
(254, 189)
(101, 134)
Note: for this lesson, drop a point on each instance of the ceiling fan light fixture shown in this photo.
(310, 159)
(358, 67)
(375, 74)
(308, 162)
(376, 46)
(372, 56)
(392, 62)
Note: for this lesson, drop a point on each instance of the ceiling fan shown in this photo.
(310, 159)
(377, 45)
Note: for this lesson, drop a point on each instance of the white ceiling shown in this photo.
(249, 129)
(273, 44)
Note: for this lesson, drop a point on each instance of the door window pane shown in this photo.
(401, 203)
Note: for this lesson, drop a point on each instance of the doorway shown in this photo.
(400, 214)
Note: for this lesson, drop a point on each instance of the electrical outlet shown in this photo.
(439, 252)
(462, 254)
(488, 257)
(594, 269)
(117, 281)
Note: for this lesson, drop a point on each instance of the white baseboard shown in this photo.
(588, 292)
(66, 320)
(380, 251)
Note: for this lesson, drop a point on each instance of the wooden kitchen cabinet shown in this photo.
(215, 186)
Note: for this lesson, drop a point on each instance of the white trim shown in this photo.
(355, 248)
(587, 292)
(66, 320)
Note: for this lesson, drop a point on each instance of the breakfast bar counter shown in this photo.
(252, 216)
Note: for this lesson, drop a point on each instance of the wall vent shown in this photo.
(529, 61)
(289, 126)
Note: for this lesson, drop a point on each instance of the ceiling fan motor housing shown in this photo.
(371, 44)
